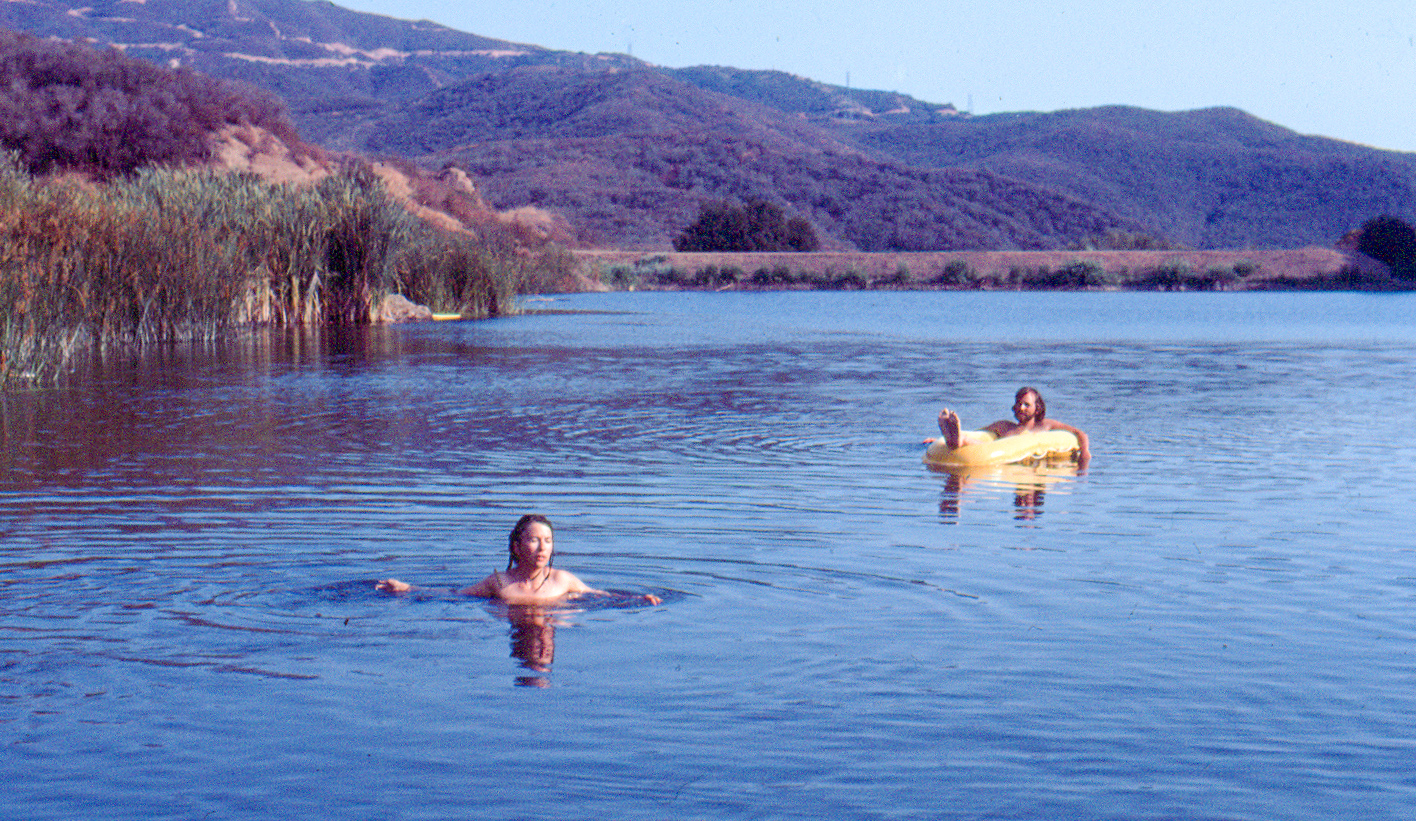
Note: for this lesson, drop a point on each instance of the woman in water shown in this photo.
(529, 577)
(1030, 411)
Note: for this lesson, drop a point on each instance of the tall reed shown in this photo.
(456, 273)
(166, 255)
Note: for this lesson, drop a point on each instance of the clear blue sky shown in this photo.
(1344, 70)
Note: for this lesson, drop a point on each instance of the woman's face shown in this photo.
(535, 546)
(1025, 407)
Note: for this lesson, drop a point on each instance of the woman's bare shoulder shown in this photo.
(572, 583)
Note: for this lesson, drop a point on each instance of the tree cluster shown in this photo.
(1392, 241)
(755, 226)
(69, 107)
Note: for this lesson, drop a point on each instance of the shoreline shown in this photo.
(1310, 268)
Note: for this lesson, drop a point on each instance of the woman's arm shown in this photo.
(393, 586)
(574, 586)
(488, 588)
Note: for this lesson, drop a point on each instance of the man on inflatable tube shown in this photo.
(1031, 412)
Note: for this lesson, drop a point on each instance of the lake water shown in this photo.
(1215, 620)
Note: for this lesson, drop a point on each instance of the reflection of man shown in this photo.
(1028, 501)
(949, 500)
(1030, 483)
(533, 641)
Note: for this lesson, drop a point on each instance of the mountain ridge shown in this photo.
(873, 170)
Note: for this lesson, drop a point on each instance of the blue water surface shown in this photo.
(1214, 620)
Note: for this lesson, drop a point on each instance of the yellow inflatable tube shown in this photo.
(982, 447)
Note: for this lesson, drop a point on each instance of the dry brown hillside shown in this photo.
(448, 199)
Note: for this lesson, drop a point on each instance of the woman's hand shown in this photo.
(393, 586)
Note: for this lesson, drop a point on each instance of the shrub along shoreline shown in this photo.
(1158, 270)
(166, 255)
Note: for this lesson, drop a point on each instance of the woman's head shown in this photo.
(519, 534)
(1034, 400)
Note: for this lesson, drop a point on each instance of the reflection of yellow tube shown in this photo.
(982, 448)
(1026, 476)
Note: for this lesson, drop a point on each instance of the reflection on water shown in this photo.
(533, 642)
(1028, 483)
(1213, 621)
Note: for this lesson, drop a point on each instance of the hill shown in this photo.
(1213, 178)
(67, 107)
(628, 154)
(627, 151)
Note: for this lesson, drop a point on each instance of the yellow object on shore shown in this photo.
(982, 447)
(446, 317)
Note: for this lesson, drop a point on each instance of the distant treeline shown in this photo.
(656, 273)
(1045, 272)
(70, 107)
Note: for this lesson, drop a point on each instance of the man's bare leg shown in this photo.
(949, 426)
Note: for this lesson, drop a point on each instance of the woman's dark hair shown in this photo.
(521, 525)
(1040, 404)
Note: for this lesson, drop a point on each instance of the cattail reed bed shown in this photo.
(169, 255)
